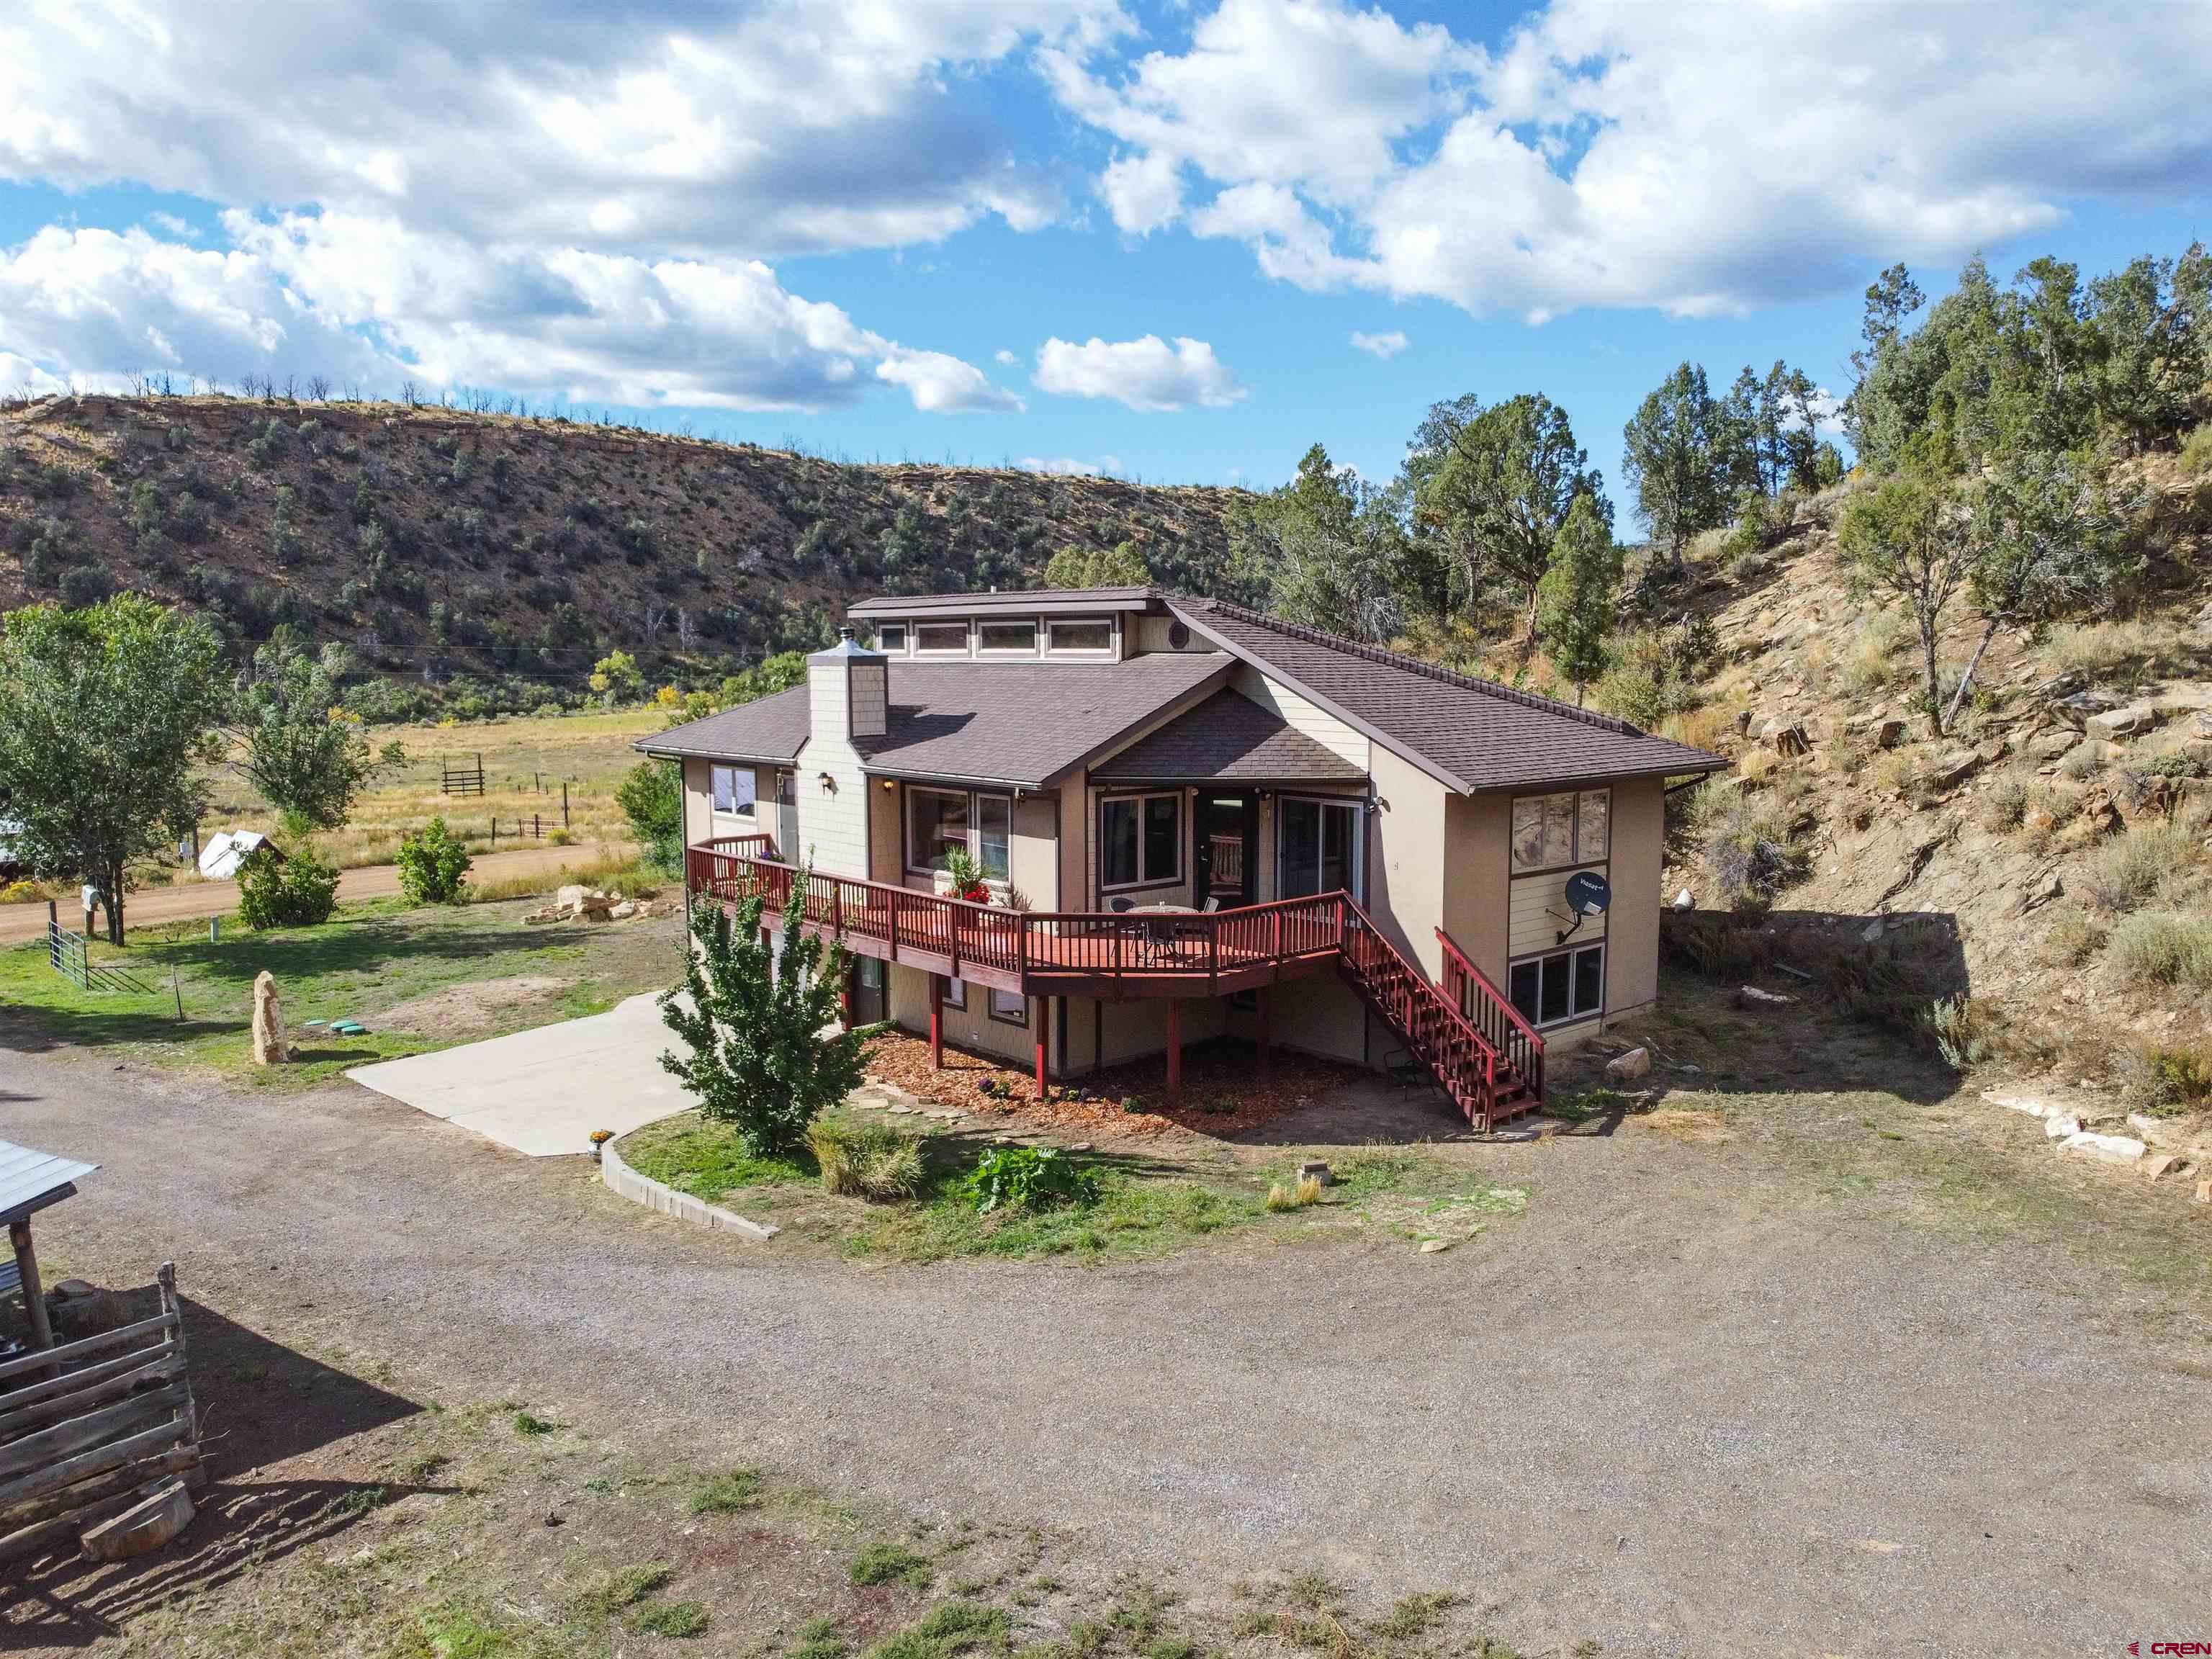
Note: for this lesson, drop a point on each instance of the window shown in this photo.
(1317, 846)
(1566, 985)
(891, 639)
(734, 791)
(956, 994)
(940, 822)
(1551, 832)
(1010, 1007)
(1086, 634)
(945, 638)
(1018, 638)
(994, 826)
(936, 825)
(1140, 840)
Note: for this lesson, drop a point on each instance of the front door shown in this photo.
(1228, 849)
(868, 977)
(787, 817)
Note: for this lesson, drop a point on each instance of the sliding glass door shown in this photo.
(1316, 847)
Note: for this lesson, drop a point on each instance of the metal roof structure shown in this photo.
(30, 1180)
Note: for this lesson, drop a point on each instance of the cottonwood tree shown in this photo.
(1579, 599)
(1503, 488)
(752, 1020)
(1677, 455)
(296, 744)
(1910, 538)
(106, 714)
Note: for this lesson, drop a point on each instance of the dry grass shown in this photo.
(2121, 654)
(1706, 727)
(525, 761)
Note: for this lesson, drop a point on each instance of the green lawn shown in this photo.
(368, 959)
(1149, 1203)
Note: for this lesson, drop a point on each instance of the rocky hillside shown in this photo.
(512, 552)
(2050, 861)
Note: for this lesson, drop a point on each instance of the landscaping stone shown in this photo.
(2113, 1149)
(623, 911)
(1315, 1168)
(1435, 1246)
(2027, 1103)
(2166, 1163)
(2204, 1192)
(1636, 1063)
(1751, 998)
(269, 1046)
(2157, 1130)
(1686, 900)
(2060, 1126)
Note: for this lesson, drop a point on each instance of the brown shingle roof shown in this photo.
(1025, 724)
(772, 728)
(1470, 734)
(1227, 738)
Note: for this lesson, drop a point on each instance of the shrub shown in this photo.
(2164, 947)
(1751, 852)
(1961, 1028)
(2084, 760)
(2006, 806)
(1029, 1178)
(2075, 937)
(2132, 869)
(432, 864)
(651, 796)
(865, 1160)
(2167, 1081)
(25, 892)
(86, 585)
(2197, 452)
(1301, 1193)
(299, 891)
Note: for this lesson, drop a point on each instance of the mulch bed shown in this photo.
(1223, 1095)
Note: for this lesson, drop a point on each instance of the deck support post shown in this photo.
(1036, 1024)
(1175, 1051)
(937, 1022)
(35, 1298)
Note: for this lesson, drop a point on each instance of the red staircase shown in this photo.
(1489, 1078)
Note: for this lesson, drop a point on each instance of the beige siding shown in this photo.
(1477, 858)
(1540, 914)
(701, 822)
(970, 1028)
(1639, 810)
(887, 831)
(1302, 715)
(1074, 845)
(1149, 634)
(833, 808)
(1406, 870)
(1320, 1015)
(1033, 852)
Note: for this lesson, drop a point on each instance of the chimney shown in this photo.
(849, 689)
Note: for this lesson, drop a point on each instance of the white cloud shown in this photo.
(1142, 191)
(943, 385)
(666, 126)
(366, 301)
(1147, 373)
(1618, 153)
(1385, 346)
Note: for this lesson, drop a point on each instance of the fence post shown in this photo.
(564, 803)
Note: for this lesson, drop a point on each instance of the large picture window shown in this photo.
(1140, 841)
(1554, 832)
(1316, 847)
(1564, 986)
(942, 822)
(734, 791)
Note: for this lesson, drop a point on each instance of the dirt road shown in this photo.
(1682, 1405)
(219, 898)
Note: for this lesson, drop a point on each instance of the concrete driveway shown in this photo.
(543, 1091)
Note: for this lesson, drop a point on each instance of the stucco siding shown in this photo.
(1639, 835)
(1033, 852)
(1478, 831)
(1405, 866)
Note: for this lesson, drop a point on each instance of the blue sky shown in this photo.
(1059, 233)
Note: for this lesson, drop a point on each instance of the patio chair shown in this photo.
(1120, 905)
(1211, 905)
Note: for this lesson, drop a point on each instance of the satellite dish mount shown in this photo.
(1587, 894)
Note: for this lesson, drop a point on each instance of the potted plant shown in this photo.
(600, 1139)
(967, 878)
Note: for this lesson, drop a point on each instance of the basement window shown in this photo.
(1566, 985)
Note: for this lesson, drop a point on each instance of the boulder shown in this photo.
(268, 1047)
(1752, 998)
(1636, 1063)
(1785, 737)
(1686, 900)
(2077, 710)
(570, 899)
(1954, 769)
(2130, 720)
(2113, 1149)
(146, 1526)
(2061, 1125)
(2051, 745)
(623, 911)
(2163, 1164)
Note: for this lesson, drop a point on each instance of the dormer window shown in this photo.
(1007, 639)
(1079, 636)
(941, 639)
(891, 639)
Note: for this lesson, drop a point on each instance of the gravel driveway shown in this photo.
(1671, 1408)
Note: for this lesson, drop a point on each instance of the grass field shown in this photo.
(526, 762)
(419, 979)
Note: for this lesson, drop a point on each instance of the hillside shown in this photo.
(440, 543)
(2051, 858)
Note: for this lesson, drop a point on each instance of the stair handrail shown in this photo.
(1486, 1084)
(1526, 1040)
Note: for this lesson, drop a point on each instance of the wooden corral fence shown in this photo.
(65, 954)
(92, 1428)
(461, 780)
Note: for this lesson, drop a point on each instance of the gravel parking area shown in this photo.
(1687, 1403)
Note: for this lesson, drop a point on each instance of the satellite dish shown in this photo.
(1588, 893)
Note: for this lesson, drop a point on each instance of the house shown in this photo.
(231, 850)
(1192, 820)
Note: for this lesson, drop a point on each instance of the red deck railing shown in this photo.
(1140, 953)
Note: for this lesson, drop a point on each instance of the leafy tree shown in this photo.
(298, 746)
(1325, 548)
(1501, 491)
(1679, 457)
(2046, 545)
(651, 796)
(616, 677)
(2146, 360)
(1580, 595)
(753, 1024)
(763, 679)
(433, 864)
(105, 713)
(299, 891)
(1123, 566)
(1910, 538)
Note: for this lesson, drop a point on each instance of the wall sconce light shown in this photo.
(828, 784)
(888, 785)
